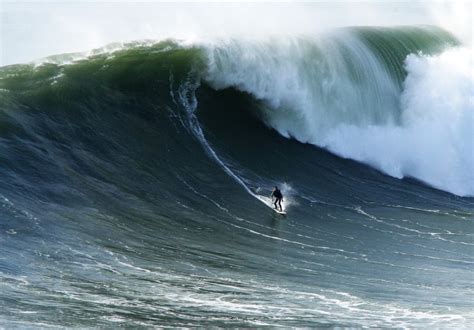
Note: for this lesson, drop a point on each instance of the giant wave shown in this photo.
(133, 180)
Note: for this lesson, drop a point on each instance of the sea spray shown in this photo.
(434, 142)
(345, 92)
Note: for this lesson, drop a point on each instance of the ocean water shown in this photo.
(135, 183)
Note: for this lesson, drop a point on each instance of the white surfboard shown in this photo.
(268, 202)
(279, 212)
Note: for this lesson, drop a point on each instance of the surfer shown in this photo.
(278, 198)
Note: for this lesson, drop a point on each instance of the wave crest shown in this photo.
(396, 99)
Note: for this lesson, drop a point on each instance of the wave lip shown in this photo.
(397, 99)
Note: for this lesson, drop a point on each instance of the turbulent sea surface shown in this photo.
(135, 181)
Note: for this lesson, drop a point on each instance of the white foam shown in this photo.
(435, 141)
(354, 108)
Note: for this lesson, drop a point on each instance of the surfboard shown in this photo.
(268, 202)
(279, 212)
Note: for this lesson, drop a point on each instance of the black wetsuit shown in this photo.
(278, 197)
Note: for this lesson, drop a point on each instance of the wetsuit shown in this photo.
(278, 197)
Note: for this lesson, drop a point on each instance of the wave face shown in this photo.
(134, 184)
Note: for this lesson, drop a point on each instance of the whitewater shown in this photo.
(135, 176)
(339, 95)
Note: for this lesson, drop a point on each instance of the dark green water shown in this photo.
(132, 187)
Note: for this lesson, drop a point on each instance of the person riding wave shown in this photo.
(278, 198)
